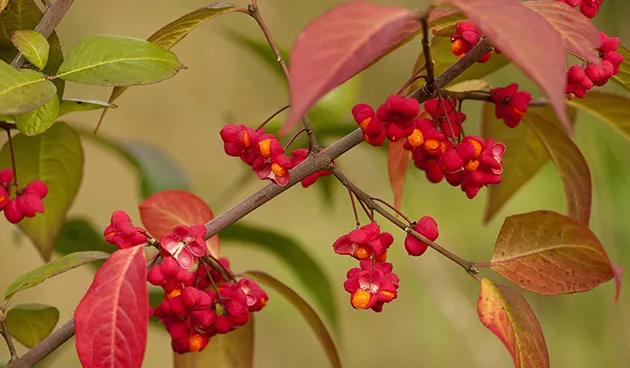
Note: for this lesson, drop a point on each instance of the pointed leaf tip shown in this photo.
(507, 314)
(550, 254)
(338, 45)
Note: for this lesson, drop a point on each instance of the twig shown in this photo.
(428, 60)
(46, 25)
(314, 162)
(365, 198)
(45, 347)
(254, 12)
(7, 337)
(272, 116)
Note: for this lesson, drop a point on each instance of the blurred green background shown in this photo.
(434, 321)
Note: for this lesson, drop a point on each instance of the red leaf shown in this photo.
(161, 212)
(579, 35)
(338, 45)
(550, 254)
(508, 315)
(112, 319)
(526, 38)
(571, 165)
(397, 165)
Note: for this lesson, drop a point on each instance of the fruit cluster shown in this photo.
(589, 8)
(373, 283)
(27, 201)
(580, 78)
(197, 304)
(264, 154)
(438, 145)
(466, 37)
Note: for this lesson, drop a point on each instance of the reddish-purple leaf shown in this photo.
(526, 38)
(507, 314)
(579, 35)
(112, 319)
(338, 45)
(571, 165)
(161, 212)
(397, 165)
(525, 156)
(550, 254)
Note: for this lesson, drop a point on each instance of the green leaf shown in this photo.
(623, 77)
(25, 14)
(39, 120)
(108, 60)
(611, 108)
(571, 165)
(524, 157)
(31, 323)
(262, 51)
(56, 158)
(33, 46)
(157, 171)
(307, 312)
(169, 35)
(79, 235)
(51, 269)
(70, 105)
(306, 268)
(232, 350)
(23, 90)
(444, 58)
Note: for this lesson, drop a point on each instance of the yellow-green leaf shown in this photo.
(56, 158)
(571, 165)
(70, 105)
(109, 60)
(232, 350)
(169, 35)
(550, 254)
(609, 107)
(26, 14)
(39, 120)
(51, 269)
(22, 90)
(31, 323)
(307, 312)
(623, 77)
(507, 314)
(524, 157)
(33, 46)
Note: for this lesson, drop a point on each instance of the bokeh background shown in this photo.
(434, 322)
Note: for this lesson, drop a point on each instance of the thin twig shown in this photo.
(272, 116)
(354, 208)
(7, 337)
(365, 198)
(426, 50)
(393, 208)
(295, 136)
(12, 152)
(254, 12)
